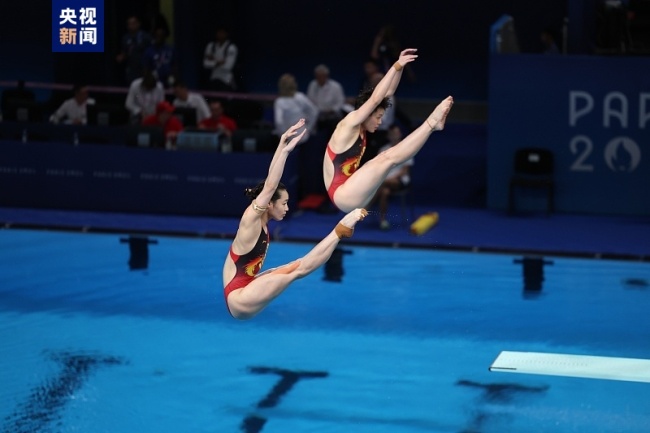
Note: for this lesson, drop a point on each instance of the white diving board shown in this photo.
(557, 364)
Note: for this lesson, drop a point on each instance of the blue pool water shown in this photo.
(402, 344)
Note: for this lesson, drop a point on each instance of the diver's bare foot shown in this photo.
(345, 228)
(436, 120)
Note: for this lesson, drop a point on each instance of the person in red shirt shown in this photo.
(164, 118)
(218, 121)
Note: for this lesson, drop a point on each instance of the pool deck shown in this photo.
(464, 229)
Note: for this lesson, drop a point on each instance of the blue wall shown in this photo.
(593, 112)
(449, 170)
(123, 179)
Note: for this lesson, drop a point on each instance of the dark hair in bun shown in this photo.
(252, 193)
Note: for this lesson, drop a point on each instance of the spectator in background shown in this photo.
(328, 97)
(218, 121)
(73, 110)
(386, 49)
(154, 19)
(384, 53)
(144, 95)
(397, 179)
(186, 99)
(378, 138)
(637, 22)
(19, 93)
(549, 44)
(164, 118)
(219, 58)
(134, 43)
(288, 109)
(160, 58)
(370, 69)
(291, 106)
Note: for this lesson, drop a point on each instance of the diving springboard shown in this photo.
(557, 364)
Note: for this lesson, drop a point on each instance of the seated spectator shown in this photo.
(19, 93)
(291, 106)
(144, 95)
(398, 179)
(218, 121)
(165, 119)
(73, 110)
(328, 96)
(187, 99)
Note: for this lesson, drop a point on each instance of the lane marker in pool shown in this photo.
(558, 364)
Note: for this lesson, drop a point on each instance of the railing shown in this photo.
(39, 85)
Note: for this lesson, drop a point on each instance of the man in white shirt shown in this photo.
(73, 110)
(220, 57)
(186, 99)
(328, 96)
(144, 95)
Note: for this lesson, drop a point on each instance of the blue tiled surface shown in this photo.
(458, 228)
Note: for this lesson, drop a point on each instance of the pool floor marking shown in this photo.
(47, 400)
(288, 378)
(557, 364)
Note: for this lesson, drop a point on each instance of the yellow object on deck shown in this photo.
(424, 223)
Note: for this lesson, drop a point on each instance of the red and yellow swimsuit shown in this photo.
(345, 164)
(248, 265)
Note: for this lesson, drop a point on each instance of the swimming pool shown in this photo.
(402, 344)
